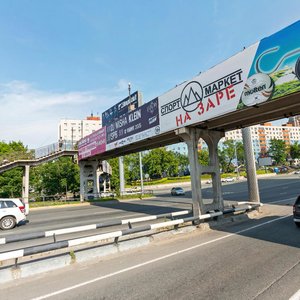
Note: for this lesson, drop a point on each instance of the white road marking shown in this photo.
(156, 260)
(296, 296)
(278, 201)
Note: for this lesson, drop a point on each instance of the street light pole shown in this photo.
(131, 107)
(237, 164)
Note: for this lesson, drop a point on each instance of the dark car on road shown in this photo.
(296, 211)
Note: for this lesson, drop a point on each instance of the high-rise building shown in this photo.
(74, 130)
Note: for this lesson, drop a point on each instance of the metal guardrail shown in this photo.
(15, 254)
(54, 233)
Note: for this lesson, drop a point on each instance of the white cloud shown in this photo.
(32, 115)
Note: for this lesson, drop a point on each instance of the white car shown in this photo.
(12, 212)
(227, 179)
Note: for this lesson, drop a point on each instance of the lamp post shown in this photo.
(131, 107)
(237, 164)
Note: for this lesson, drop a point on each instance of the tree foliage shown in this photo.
(160, 163)
(231, 152)
(295, 150)
(11, 181)
(56, 177)
(278, 151)
(203, 157)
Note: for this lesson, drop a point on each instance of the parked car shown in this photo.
(175, 191)
(12, 212)
(297, 172)
(296, 211)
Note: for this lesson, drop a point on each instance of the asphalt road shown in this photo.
(255, 259)
(274, 189)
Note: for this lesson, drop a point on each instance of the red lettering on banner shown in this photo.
(230, 92)
(179, 120)
(209, 104)
(219, 96)
(187, 117)
(201, 109)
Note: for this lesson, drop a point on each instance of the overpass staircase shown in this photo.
(36, 157)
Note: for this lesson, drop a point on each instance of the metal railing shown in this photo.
(18, 253)
(53, 148)
(32, 154)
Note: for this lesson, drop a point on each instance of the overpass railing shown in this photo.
(6, 158)
(53, 148)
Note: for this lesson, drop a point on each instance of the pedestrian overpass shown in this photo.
(259, 84)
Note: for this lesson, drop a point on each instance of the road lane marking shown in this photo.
(296, 296)
(278, 201)
(156, 259)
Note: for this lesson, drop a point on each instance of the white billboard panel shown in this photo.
(208, 95)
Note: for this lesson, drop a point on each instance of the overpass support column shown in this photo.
(212, 139)
(25, 186)
(82, 180)
(191, 137)
(121, 175)
(88, 179)
(250, 166)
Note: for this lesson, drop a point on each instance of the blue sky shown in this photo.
(66, 59)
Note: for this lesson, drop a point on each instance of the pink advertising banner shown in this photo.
(92, 144)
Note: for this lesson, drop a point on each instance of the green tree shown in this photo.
(132, 167)
(295, 150)
(228, 153)
(11, 181)
(203, 157)
(183, 162)
(56, 177)
(278, 150)
(160, 162)
(115, 179)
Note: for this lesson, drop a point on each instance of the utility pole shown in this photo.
(72, 130)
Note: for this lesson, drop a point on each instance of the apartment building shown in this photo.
(261, 136)
(74, 130)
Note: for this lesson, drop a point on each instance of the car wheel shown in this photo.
(297, 224)
(7, 223)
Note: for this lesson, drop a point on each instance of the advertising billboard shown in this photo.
(265, 71)
(137, 125)
(93, 144)
(275, 71)
(208, 95)
(120, 109)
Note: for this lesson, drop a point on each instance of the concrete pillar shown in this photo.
(82, 180)
(250, 166)
(121, 175)
(88, 172)
(191, 137)
(25, 187)
(212, 139)
(95, 165)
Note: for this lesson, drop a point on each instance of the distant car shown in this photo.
(209, 181)
(12, 212)
(296, 212)
(227, 179)
(175, 191)
(297, 172)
